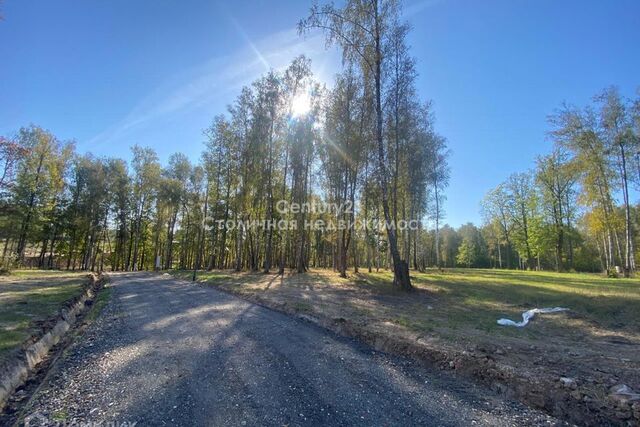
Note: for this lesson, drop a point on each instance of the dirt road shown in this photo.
(167, 352)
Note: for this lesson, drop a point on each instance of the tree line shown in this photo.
(368, 142)
(573, 210)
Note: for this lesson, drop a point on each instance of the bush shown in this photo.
(6, 265)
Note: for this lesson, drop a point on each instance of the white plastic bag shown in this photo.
(528, 315)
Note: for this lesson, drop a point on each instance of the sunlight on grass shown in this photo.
(40, 274)
(23, 302)
(202, 276)
(494, 293)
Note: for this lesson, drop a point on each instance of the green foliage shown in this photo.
(472, 252)
(467, 253)
(7, 264)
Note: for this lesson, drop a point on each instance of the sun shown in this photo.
(300, 104)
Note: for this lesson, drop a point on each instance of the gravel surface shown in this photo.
(168, 352)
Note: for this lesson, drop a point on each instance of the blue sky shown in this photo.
(111, 74)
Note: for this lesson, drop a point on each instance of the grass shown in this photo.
(100, 302)
(29, 296)
(60, 415)
(486, 295)
(40, 274)
(209, 276)
(452, 300)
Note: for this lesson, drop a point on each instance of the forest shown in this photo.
(564, 213)
(369, 142)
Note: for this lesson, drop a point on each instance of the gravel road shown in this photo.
(168, 352)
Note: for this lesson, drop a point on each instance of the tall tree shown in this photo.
(364, 30)
(521, 207)
(342, 153)
(439, 180)
(495, 210)
(556, 178)
(146, 169)
(39, 180)
(620, 144)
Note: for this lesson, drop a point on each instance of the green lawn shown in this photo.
(28, 296)
(479, 297)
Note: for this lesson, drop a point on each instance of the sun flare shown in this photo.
(300, 105)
